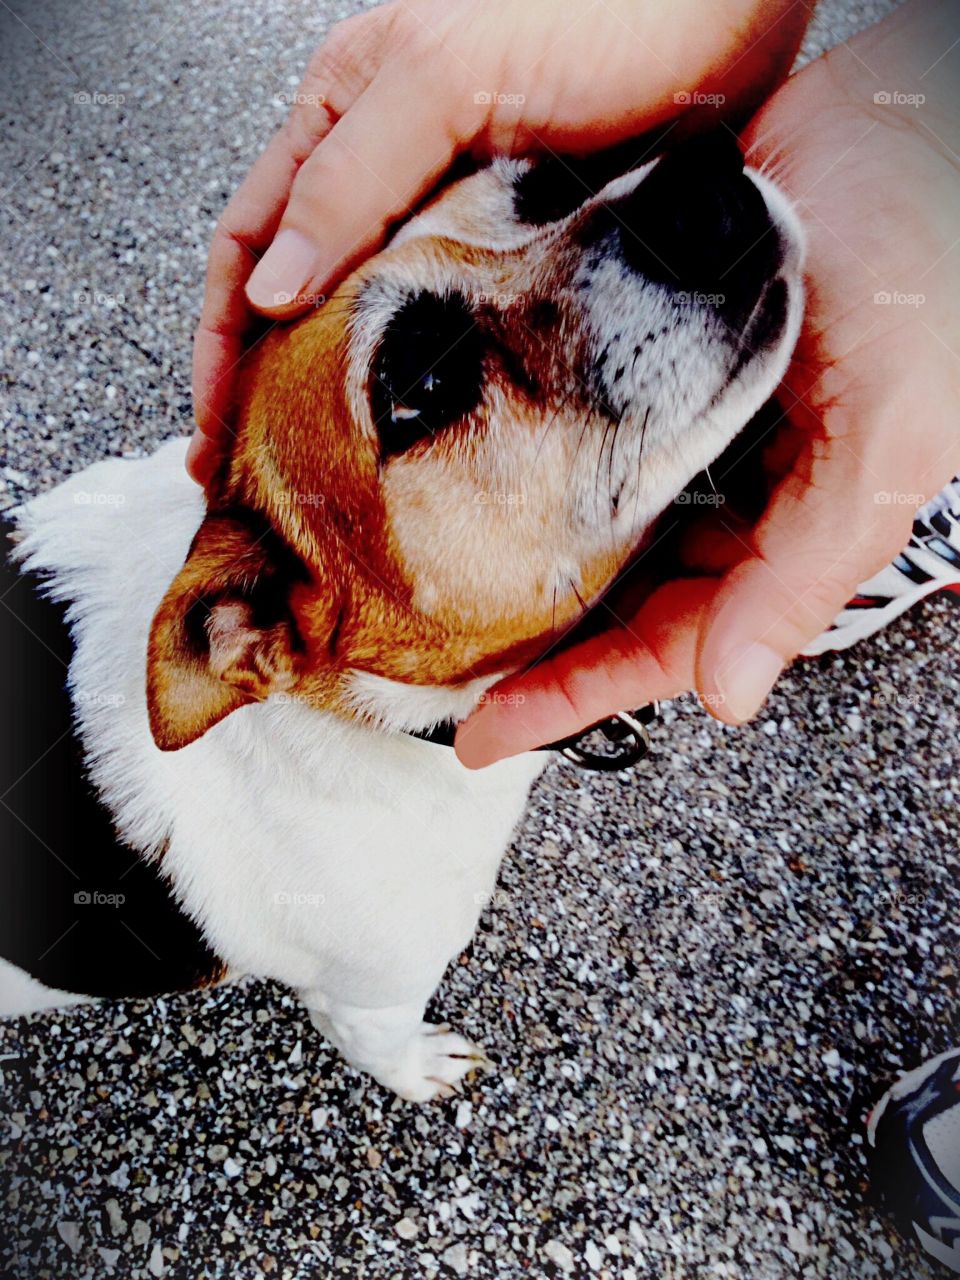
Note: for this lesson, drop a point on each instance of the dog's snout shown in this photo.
(699, 223)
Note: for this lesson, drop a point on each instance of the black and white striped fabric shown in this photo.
(929, 562)
(914, 1136)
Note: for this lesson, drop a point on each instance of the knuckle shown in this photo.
(336, 48)
(352, 48)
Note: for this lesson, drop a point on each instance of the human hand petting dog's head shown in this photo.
(394, 95)
(435, 472)
(363, 145)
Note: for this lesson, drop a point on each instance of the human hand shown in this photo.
(872, 397)
(395, 94)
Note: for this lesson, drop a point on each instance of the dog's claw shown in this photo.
(435, 1063)
(445, 1088)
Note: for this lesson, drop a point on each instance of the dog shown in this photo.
(432, 472)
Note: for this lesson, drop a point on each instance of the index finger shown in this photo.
(336, 76)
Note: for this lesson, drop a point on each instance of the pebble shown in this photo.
(69, 1233)
(559, 1253)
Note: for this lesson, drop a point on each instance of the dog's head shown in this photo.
(437, 467)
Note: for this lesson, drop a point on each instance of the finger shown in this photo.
(204, 455)
(361, 177)
(629, 666)
(821, 537)
(714, 545)
(336, 76)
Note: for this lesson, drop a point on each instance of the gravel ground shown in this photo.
(695, 978)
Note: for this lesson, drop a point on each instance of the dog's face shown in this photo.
(435, 469)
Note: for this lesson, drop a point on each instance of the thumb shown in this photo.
(360, 178)
(823, 534)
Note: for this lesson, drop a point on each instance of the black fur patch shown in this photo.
(79, 910)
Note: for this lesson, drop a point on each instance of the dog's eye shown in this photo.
(428, 370)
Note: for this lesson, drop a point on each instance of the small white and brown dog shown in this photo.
(430, 473)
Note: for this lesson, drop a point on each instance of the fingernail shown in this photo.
(203, 458)
(746, 678)
(281, 277)
(478, 744)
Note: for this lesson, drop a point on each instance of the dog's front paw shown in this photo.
(434, 1062)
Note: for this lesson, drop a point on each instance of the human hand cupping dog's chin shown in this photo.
(866, 141)
(394, 95)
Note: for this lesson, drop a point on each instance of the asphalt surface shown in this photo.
(696, 978)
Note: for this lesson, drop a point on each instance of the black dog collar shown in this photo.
(626, 732)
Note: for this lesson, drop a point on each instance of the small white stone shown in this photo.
(69, 1233)
(406, 1228)
(593, 1256)
(464, 1114)
(231, 1168)
(797, 1241)
(156, 1264)
(558, 1252)
(456, 1258)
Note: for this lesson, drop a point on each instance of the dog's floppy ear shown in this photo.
(223, 635)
